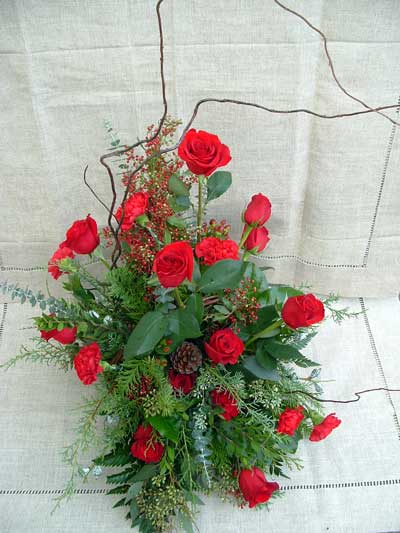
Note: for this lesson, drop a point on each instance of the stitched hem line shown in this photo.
(379, 365)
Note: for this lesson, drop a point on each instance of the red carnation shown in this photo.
(226, 401)
(87, 363)
(135, 206)
(183, 383)
(59, 254)
(325, 428)
(174, 263)
(258, 211)
(203, 152)
(224, 347)
(212, 249)
(302, 311)
(258, 239)
(145, 446)
(255, 488)
(290, 420)
(64, 336)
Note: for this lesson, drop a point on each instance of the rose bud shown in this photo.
(224, 347)
(302, 311)
(290, 420)
(82, 237)
(53, 264)
(258, 239)
(87, 363)
(174, 263)
(325, 428)
(203, 152)
(255, 488)
(258, 211)
(64, 336)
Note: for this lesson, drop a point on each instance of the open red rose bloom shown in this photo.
(188, 349)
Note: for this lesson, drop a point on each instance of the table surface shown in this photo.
(350, 482)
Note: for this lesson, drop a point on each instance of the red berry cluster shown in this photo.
(244, 300)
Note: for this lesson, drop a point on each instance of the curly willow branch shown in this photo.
(115, 230)
(357, 394)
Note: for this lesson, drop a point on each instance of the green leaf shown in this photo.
(218, 184)
(280, 293)
(177, 187)
(259, 371)
(146, 335)
(288, 353)
(179, 203)
(283, 352)
(265, 317)
(264, 359)
(183, 324)
(146, 472)
(134, 490)
(134, 510)
(195, 306)
(225, 274)
(167, 426)
(176, 222)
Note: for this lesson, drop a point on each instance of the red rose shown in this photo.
(183, 383)
(82, 236)
(135, 206)
(290, 420)
(203, 152)
(258, 238)
(212, 250)
(226, 401)
(145, 446)
(174, 263)
(61, 253)
(258, 211)
(86, 363)
(65, 336)
(325, 428)
(255, 488)
(224, 347)
(302, 311)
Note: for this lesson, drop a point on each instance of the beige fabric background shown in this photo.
(67, 65)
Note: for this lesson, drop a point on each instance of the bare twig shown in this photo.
(358, 394)
(330, 62)
(92, 190)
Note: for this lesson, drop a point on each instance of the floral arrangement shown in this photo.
(188, 350)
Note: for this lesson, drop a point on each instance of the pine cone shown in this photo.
(187, 358)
